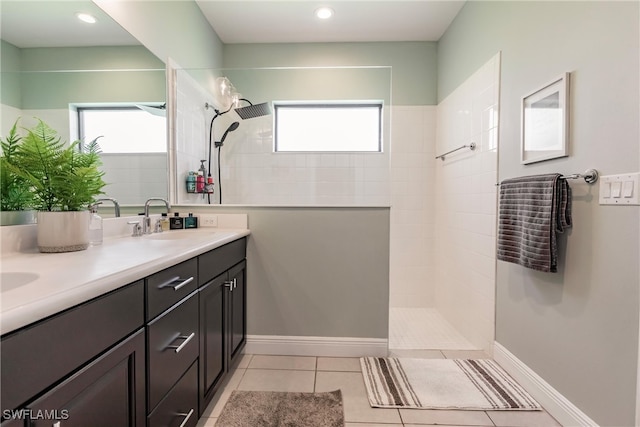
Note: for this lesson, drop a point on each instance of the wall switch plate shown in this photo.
(208, 220)
(620, 189)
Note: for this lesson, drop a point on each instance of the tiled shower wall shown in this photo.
(253, 174)
(465, 204)
(412, 228)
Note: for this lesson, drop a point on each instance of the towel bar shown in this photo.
(590, 176)
(471, 147)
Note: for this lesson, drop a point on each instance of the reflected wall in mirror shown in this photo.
(32, 89)
(246, 168)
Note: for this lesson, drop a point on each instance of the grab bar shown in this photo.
(590, 176)
(471, 147)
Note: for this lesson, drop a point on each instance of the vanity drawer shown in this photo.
(169, 286)
(181, 403)
(219, 260)
(36, 356)
(172, 347)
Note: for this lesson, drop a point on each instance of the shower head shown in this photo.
(253, 111)
(233, 126)
(156, 110)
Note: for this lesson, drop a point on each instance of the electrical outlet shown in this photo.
(208, 220)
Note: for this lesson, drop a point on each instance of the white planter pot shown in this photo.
(63, 231)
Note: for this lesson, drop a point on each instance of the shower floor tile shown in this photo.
(424, 329)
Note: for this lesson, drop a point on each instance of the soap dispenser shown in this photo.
(95, 226)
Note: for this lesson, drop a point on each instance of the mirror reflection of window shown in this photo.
(134, 150)
(123, 129)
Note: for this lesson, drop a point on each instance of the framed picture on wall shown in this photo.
(545, 122)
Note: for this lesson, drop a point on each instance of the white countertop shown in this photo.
(35, 285)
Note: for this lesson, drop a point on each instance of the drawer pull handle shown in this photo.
(176, 283)
(229, 284)
(186, 417)
(56, 424)
(186, 339)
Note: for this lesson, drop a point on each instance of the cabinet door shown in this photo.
(108, 392)
(212, 349)
(237, 304)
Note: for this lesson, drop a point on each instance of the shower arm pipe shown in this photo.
(211, 139)
(471, 147)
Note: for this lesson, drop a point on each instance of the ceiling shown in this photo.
(238, 21)
(50, 23)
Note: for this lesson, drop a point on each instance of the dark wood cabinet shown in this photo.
(151, 353)
(212, 346)
(222, 315)
(39, 355)
(172, 347)
(237, 304)
(179, 408)
(108, 392)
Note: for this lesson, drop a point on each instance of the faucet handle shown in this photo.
(137, 228)
(158, 227)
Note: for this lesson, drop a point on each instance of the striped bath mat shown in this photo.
(442, 384)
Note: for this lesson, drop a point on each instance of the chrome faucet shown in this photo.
(146, 221)
(116, 205)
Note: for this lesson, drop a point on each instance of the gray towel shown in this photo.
(533, 210)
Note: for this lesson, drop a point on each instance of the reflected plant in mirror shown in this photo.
(14, 189)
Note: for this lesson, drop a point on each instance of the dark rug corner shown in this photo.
(282, 409)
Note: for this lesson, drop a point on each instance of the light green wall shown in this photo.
(578, 328)
(315, 84)
(51, 90)
(52, 78)
(89, 58)
(9, 74)
(320, 272)
(413, 64)
(169, 29)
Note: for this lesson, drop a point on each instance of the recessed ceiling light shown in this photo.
(85, 17)
(324, 13)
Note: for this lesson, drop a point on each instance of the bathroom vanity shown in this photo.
(87, 340)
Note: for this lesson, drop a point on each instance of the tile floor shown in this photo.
(309, 374)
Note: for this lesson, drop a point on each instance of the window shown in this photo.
(328, 126)
(123, 129)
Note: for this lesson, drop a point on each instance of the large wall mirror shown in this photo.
(74, 87)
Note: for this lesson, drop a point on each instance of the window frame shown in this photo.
(378, 104)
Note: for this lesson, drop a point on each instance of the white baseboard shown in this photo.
(316, 346)
(555, 403)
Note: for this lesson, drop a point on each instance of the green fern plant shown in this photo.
(14, 190)
(60, 177)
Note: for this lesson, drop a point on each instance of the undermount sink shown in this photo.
(179, 234)
(12, 280)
